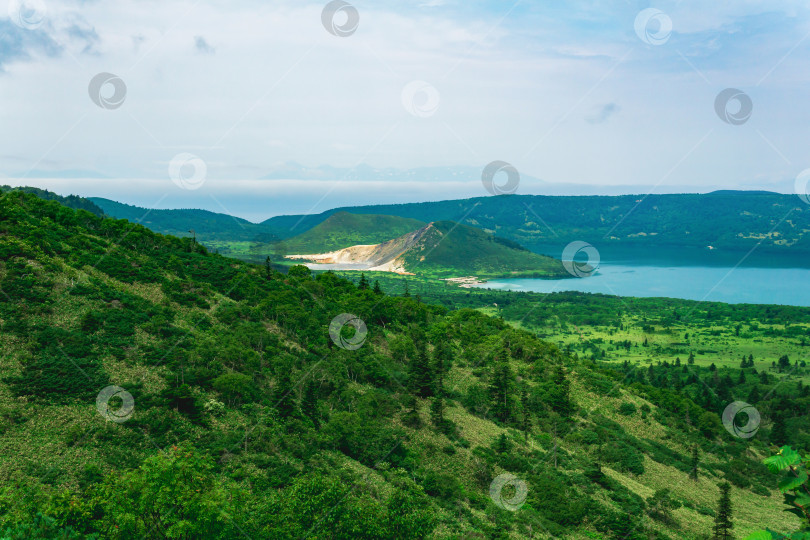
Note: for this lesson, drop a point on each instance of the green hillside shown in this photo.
(343, 229)
(208, 226)
(71, 201)
(235, 413)
(449, 249)
(726, 220)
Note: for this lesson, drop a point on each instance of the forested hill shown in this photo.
(71, 201)
(729, 220)
(206, 225)
(725, 220)
(341, 230)
(151, 389)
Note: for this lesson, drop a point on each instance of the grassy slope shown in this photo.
(453, 250)
(584, 323)
(150, 307)
(343, 229)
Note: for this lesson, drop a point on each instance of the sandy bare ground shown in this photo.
(465, 282)
(385, 257)
(357, 255)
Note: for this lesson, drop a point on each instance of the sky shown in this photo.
(230, 106)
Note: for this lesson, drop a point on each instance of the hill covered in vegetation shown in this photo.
(450, 249)
(725, 220)
(445, 249)
(208, 226)
(342, 229)
(149, 388)
(728, 220)
(71, 201)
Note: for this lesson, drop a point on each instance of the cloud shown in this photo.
(202, 46)
(600, 116)
(85, 35)
(253, 83)
(137, 41)
(19, 44)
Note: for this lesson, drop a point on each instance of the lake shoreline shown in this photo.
(777, 286)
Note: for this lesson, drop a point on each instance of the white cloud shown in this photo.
(280, 88)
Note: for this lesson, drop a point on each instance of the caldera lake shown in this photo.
(761, 280)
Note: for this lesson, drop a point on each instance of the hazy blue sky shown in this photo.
(567, 92)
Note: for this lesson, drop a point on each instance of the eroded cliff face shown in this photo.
(385, 257)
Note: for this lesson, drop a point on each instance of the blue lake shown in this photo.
(754, 285)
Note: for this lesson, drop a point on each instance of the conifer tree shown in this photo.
(562, 389)
(526, 421)
(442, 361)
(693, 470)
(500, 380)
(377, 289)
(411, 417)
(778, 434)
(502, 445)
(724, 390)
(420, 376)
(437, 411)
(722, 521)
(268, 268)
(363, 285)
(753, 395)
(407, 293)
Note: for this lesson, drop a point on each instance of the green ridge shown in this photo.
(71, 201)
(208, 226)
